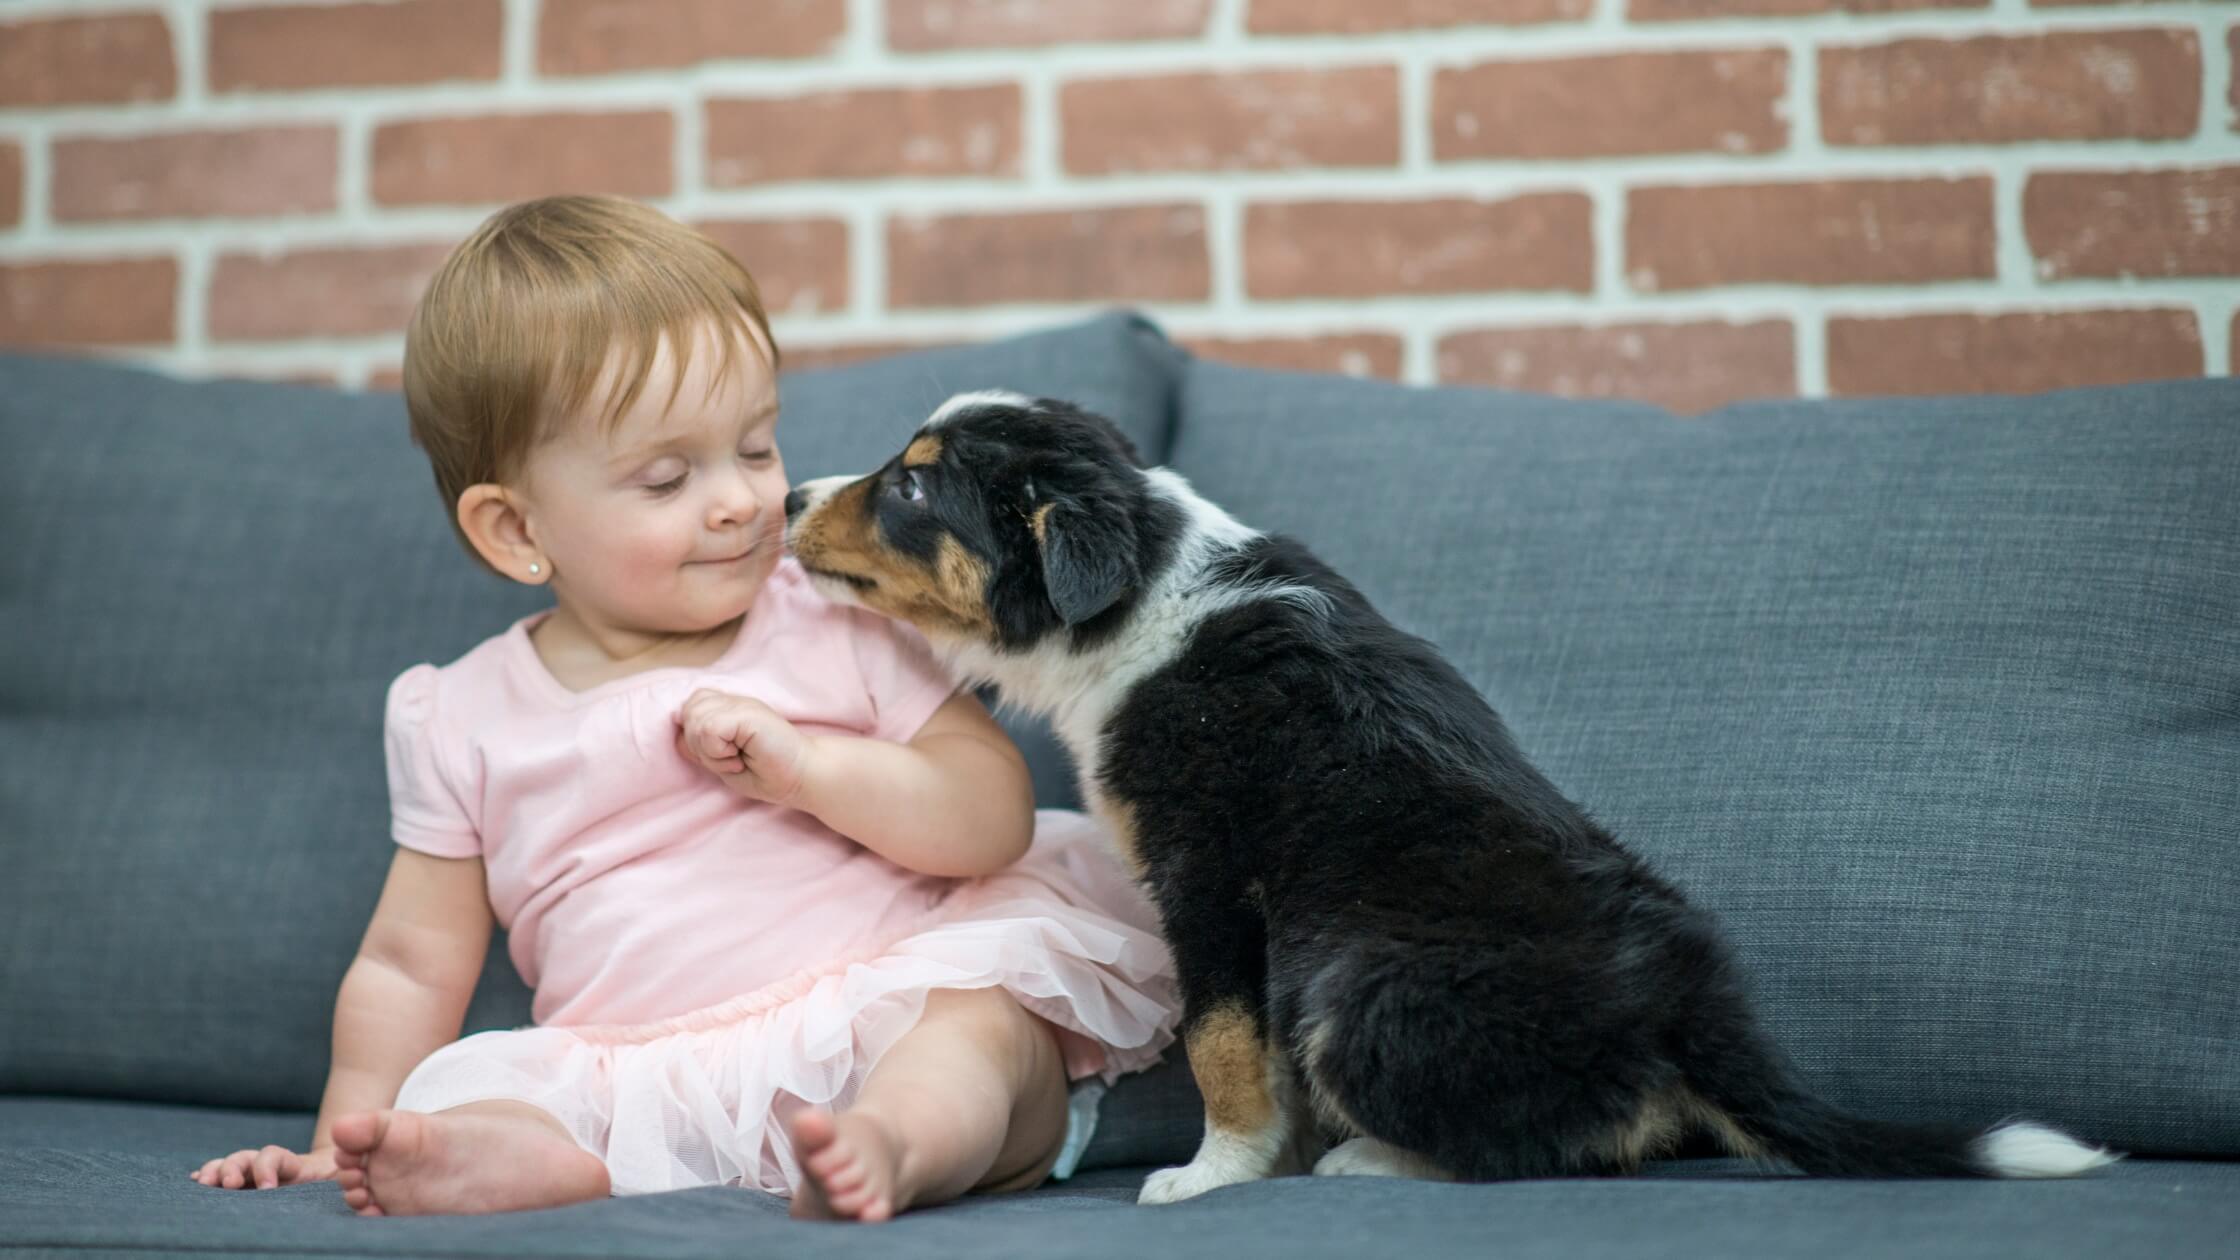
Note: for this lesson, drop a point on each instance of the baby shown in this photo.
(791, 918)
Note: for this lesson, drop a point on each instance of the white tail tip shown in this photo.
(2033, 1150)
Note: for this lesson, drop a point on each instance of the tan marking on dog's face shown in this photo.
(834, 534)
(841, 535)
(1230, 1061)
(950, 598)
(1040, 524)
(922, 451)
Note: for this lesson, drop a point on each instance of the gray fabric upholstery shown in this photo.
(83, 1176)
(204, 593)
(1936, 701)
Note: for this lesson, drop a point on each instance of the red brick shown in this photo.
(1865, 231)
(925, 25)
(1126, 254)
(281, 47)
(1684, 367)
(801, 265)
(509, 157)
(1725, 101)
(1689, 10)
(800, 358)
(1349, 354)
(348, 291)
(88, 302)
(2010, 354)
(2134, 223)
(1367, 248)
(612, 36)
(1352, 17)
(389, 379)
(870, 134)
(1999, 89)
(11, 184)
(1246, 120)
(183, 174)
(87, 60)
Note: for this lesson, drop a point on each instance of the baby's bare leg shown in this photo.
(480, 1157)
(972, 1098)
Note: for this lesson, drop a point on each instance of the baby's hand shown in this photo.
(744, 741)
(264, 1169)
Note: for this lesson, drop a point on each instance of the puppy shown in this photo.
(1392, 932)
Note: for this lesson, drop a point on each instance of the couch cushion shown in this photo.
(1937, 702)
(91, 1176)
(204, 592)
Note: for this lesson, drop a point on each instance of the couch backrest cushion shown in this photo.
(1937, 702)
(205, 589)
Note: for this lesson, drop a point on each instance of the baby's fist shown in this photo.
(746, 743)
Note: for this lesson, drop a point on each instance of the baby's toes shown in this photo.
(848, 1181)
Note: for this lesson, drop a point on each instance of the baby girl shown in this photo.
(790, 915)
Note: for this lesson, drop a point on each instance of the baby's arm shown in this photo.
(404, 997)
(955, 800)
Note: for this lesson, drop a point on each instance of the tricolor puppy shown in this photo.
(1392, 932)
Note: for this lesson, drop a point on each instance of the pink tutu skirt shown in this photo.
(706, 1098)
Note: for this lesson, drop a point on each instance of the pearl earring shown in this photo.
(535, 568)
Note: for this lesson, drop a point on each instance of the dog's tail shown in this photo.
(1757, 1110)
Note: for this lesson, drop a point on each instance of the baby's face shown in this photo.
(670, 522)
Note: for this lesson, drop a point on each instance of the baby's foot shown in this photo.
(404, 1163)
(851, 1161)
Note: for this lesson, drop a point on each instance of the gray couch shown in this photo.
(1936, 702)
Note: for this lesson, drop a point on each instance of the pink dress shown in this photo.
(705, 966)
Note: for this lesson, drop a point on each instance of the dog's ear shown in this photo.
(1090, 554)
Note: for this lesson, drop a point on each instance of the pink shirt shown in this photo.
(633, 884)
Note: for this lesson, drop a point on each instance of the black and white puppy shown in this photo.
(1378, 907)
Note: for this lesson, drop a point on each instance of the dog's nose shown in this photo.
(795, 501)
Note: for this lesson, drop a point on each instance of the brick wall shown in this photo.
(1684, 200)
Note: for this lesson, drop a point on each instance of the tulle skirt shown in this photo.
(707, 1098)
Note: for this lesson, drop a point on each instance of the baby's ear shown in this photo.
(493, 522)
(1090, 554)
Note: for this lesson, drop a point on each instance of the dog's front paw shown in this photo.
(1173, 1185)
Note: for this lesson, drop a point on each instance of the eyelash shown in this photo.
(671, 486)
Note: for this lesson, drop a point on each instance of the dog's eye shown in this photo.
(907, 486)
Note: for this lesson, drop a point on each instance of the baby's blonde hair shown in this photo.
(520, 322)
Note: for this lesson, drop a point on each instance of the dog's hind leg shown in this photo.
(1367, 1157)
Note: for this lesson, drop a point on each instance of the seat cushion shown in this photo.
(205, 590)
(1936, 702)
(81, 1176)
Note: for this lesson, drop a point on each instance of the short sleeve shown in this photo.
(425, 813)
(906, 683)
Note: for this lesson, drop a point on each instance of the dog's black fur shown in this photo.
(1343, 841)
